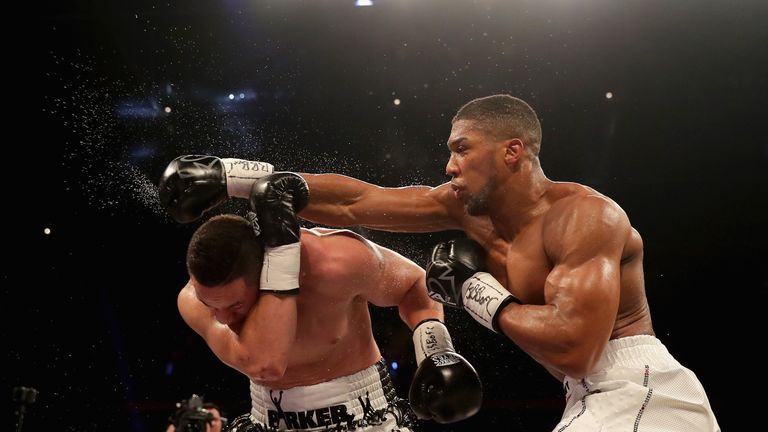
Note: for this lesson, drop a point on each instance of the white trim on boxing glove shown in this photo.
(484, 297)
(429, 337)
(280, 270)
(242, 173)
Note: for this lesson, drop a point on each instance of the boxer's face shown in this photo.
(471, 166)
(230, 302)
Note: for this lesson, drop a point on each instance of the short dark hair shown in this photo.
(504, 116)
(211, 405)
(224, 248)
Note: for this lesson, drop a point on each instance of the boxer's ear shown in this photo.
(513, 150)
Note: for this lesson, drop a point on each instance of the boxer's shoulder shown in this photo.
(325, 232)
(338, 252)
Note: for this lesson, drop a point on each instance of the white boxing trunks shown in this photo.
(363, 402)
(637, 386)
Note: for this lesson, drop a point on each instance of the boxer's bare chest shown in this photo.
(520, 263)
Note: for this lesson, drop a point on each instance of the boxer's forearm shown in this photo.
(221, 339)
(266, 337)
(416, 306)
(344, 201)
(557, 343)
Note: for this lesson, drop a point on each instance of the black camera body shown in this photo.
(190, 416)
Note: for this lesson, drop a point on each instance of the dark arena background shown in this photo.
(659, 104)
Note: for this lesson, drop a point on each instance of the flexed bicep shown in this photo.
(586, 297)
(584, 285)
(583, 239)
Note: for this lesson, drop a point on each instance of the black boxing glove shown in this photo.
(194, 184)
(450, 264)
(445, 388)
(455, 277)
(276, 199)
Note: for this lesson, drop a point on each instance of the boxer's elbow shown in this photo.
(415, 306)
(575, 362)
(573, 369)
(266, 368)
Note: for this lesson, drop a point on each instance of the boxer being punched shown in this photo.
(559, 269)
(288, 307)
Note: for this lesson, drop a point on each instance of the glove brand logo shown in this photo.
(446, 359)
(198, 163)
(435, 286)
(254, 220)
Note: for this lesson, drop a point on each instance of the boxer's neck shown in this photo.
(519, 198)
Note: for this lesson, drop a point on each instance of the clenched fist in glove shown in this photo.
(445, 388)
(276, 199)
(194, 184)
(455, 277)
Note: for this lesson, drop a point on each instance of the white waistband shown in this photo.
(635, 351)
(329, 401)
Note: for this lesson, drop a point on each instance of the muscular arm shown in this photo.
(402, 284)
(339, 200)
(568, 334)
(383, 277)
(258, 347)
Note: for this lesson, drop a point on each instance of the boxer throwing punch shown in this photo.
(555, 267)
(563, 272)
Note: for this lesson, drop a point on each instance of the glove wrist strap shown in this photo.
(241, 174)
(484, 298)
(280, 271)
(430, 337)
